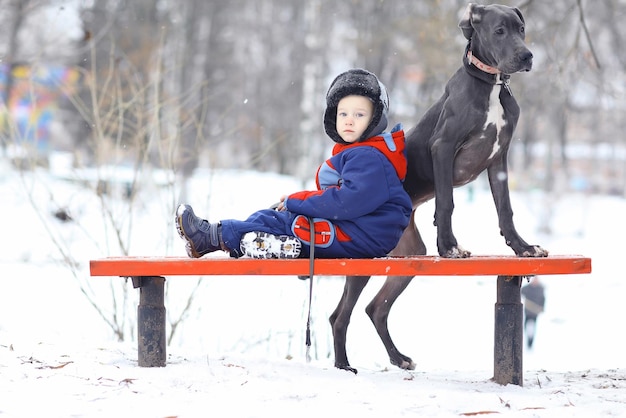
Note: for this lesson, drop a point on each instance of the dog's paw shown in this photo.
(534, 251)
(346, 367)
(407, 364)
(456, 252)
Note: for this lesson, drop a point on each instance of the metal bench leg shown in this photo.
(509, 335)
(151, 321)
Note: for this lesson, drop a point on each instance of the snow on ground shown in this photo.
(240, 350)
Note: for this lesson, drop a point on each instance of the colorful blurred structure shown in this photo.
(36, 92)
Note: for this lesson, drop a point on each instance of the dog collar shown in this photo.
(499, 78)
(481, 65)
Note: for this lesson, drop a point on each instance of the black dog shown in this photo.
(467, 131)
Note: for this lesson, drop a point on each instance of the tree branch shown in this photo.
(581, 15)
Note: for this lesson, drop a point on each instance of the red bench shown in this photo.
(148, 274)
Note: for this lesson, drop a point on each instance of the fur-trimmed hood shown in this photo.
(362, 83)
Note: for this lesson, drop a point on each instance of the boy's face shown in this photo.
(354, 114)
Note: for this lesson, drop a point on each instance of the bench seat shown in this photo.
(148, 274)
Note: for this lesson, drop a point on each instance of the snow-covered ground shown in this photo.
(240, 350)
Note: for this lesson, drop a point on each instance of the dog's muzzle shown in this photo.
(525, 59)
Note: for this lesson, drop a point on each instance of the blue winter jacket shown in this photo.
(360, 195)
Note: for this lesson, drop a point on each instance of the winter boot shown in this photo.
(264, 245)
(201, 236)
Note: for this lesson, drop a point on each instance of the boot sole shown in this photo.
(189, 247)
(264, 245)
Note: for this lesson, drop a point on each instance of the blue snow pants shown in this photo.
(281, 223)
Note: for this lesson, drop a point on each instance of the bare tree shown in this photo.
(16, 8)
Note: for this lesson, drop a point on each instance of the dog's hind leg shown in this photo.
(411, 242)
(340, 318)
(378, 309)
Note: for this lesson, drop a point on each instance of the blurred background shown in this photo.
(241, 84)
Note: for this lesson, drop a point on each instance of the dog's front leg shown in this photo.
(443, 165)
(499, 183)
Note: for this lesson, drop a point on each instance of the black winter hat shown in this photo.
(362, 83)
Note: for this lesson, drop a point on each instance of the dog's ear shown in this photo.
(472, 14)
(519, 13)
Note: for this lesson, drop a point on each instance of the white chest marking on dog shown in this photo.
(495, 116)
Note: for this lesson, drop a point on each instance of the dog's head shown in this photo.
(496, 34)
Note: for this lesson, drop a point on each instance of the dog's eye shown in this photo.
(522, 29)
(500, 31)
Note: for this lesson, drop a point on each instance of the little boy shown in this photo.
(360, 208)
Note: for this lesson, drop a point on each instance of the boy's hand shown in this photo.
(281, 205)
